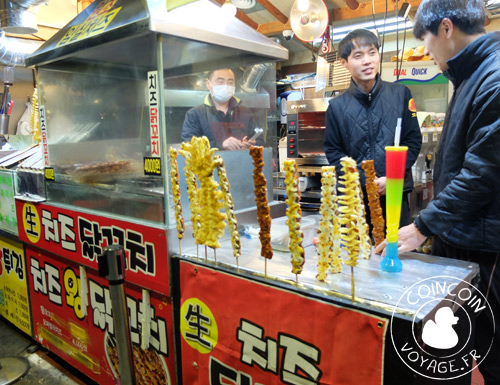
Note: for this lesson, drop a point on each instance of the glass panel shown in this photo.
(98, 124)
(430, 97)
(186, 69)
(98, 130)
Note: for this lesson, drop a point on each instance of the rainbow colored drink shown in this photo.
(395, 165)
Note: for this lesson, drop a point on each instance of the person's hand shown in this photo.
(232, 143)
(381, 182)
(247, 143)
(409, 238)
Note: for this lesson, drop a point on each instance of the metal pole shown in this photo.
(112, 267)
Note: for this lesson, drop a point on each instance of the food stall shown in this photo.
(114, 86)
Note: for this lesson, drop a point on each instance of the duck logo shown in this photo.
(411, 105)
(436, 341)
(440, 334)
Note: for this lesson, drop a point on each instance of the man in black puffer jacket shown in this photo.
(362, 121)
(464, 215)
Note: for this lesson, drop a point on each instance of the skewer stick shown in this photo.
(237, 264)
(215, 255)
(206, 254)
(180, 247)
(352, 283)
(197, 252)
(265, 268)
(297, 281)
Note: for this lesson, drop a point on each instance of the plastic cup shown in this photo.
(395, 165)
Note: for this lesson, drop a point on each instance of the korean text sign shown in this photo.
(14, 299)
(84, 334)
(82, 237)
(243, 332)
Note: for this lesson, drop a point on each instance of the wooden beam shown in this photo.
(273, 10)
(365, 9)
(245, 19)
(273, 28)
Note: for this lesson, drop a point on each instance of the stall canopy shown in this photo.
(201, 22)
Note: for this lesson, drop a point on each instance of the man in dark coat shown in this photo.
(362, 121)
(464, 215)
(221, 118)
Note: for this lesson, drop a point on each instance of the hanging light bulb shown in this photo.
(229, 8)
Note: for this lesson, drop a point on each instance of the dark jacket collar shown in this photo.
(467, 60)
(363, 96)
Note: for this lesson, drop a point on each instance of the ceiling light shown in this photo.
(311, 23)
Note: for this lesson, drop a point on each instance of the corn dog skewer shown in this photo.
(209, 198)
(326, 223)
(192, 189)
(377, 220)
(294, 215)
(349, 202)
(229, 207)
(263, 211)
(176, 192)
(363, 229)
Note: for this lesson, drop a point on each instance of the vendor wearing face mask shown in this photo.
(221, 118)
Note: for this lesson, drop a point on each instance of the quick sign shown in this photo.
(409, 71)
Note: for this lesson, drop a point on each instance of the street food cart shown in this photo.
(114, 86)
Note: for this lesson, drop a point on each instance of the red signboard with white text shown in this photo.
(242, 332)
(77, 324)
(81, 237)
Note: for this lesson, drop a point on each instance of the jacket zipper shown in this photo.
(370, 125)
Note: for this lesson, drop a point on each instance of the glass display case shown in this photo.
(115, 85)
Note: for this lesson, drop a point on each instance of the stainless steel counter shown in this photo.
(374, 290)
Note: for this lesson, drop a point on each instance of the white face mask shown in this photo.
(223, 93)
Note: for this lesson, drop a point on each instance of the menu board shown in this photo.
(14, 300)
(72, 317)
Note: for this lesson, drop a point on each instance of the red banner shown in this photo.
(81, 237)
(237, 331)
(83, 334)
